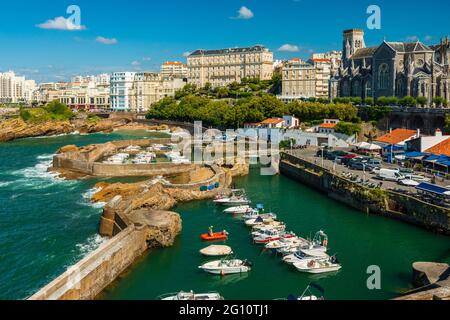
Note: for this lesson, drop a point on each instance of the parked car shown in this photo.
(357, 165)
(416, 177)
(358, 159)
(373, 164)
(390, 175)
(406, 171)
(335, 154)
(346, 159)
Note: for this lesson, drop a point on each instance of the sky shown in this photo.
(39, 40)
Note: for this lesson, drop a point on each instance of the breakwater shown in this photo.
(373, 201)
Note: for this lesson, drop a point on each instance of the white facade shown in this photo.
(174, 69)
(121, 85)
(14, 89)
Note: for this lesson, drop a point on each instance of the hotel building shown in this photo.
(121, 85)
(224, 66)
(298, 80)
(174, 69)
(14, 89)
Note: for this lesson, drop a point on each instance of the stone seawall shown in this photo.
(87, 279)
(375, 201)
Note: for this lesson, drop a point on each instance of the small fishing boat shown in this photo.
(211, 296)
(226, 266)
(216, 251)
(213, 236)
(285, 243)
(260, 220)
(300, 256)
(232, 201)
(238, 210)
(255, 214)
(266, 238)
(317, 246)
(274, 225)
(318, 265)
(308, 294)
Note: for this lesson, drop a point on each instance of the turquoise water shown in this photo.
(359, 241)
(46, 224)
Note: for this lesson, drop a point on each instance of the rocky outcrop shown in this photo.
(17, 128)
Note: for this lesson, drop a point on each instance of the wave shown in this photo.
(38, 176)
(74, 133)
(5, 183)
(92, 243)
(87, 196)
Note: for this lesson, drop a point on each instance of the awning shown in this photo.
(394, 147)
(415, 154)
(367, 146)
(432, 188)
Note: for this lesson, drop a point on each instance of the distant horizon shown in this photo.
(46, 46)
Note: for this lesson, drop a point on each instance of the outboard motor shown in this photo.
(247, 263)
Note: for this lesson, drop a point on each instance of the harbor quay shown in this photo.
(383, 198)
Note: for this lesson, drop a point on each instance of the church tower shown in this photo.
(353, 40)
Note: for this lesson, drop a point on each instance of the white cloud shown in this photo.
(107, 41)
(412, 38)
(135, 63)
(61, 23)
(244, 13)
(289, 48)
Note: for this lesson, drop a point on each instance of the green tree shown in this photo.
(408, 101)
(422, 101)
(348, 128)
(377, 113)
(369, 101)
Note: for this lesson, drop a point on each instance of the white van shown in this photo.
(390, 175)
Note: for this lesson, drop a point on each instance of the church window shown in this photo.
(383, 76)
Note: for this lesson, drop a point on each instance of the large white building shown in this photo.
(15, 89)
(224, 66)
(174, 69)
(121, 85)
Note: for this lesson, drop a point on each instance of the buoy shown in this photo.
(222, 274)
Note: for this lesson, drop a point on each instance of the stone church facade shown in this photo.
(392, 69)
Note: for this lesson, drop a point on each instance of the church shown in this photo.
(392, 69)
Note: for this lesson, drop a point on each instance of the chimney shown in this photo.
(438, 133)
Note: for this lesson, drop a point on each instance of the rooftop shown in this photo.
(397, 136)
(272, 121)
(442, 148)
(228, 51)
(328, 125)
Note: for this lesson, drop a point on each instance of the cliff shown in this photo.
(17, 128)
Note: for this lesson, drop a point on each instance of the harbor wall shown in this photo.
(374, 201)
(86, 279)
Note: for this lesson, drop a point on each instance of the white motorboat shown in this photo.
(254, 214)
(226, 266)
(300, 256)
(285, 243)
(232, 201)
(274, 225)
(238, 210)
(318, 265)
(211, 296)
(308, 294)
(216, 251)
(272, 236)
(317, 246)
(266, 219)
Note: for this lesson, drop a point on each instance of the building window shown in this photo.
(383, 76)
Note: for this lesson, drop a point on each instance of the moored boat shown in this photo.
(300, 256)
(216, 251)
(238, 210)
(211, 296)
(212, 236)
(318, 265)
(226, 266)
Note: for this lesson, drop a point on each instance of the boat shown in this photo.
(232, 201)
(213, 236)
(211, 296)
(274, 225)
(237, 198)
(318, 245)
(226, 266)
(300, 256)
(260, 220)
(308, 294)
(216, 251)
(285, 243)
(238, 210)
(318, 265)
(266, 238)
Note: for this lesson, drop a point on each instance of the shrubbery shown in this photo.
(54, 110)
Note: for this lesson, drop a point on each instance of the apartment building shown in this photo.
(120, 88)
(15, 89)
(174, 69)
(85, 96)
(298, 80)
(224, 66)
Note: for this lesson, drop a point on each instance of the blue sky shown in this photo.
(142, 34)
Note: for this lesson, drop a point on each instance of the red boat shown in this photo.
(211, 236)
(267, 239)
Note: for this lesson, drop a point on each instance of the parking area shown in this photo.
(367, 177)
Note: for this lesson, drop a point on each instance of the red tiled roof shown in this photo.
(321, 60)
(441, 148)
(272, 121)
(328, 125)
(397, 136)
